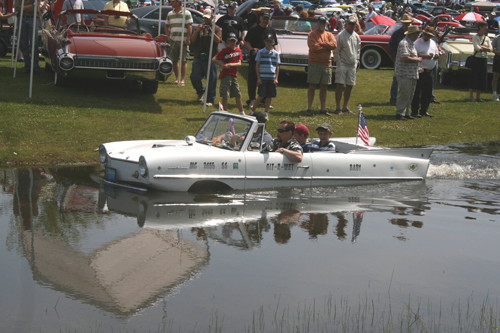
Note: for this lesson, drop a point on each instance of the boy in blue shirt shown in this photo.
(267, 68)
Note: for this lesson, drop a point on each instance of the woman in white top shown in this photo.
(479, 70)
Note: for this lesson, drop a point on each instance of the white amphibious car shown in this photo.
(217, 159)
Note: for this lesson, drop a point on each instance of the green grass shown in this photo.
(64, 125)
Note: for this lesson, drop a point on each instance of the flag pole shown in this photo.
(359, 119)
(210, 59)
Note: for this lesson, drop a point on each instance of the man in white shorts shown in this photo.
(347, 58)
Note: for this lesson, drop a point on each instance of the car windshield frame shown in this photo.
(293, 25)
(93, 21)
(226, 131)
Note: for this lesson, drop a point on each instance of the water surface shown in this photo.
(81, 257)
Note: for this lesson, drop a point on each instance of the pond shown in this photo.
(77, 256)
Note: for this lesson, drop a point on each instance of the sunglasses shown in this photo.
(282, 130)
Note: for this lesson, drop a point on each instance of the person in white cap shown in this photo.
(202, 36)
(406, 72)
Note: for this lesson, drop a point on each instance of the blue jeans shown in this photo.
(198, 72)
(394, 89)
(25, 43)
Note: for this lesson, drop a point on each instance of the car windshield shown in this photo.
(379, 29)
(88, 20)
(394, 28)
(224, 131)
(294, 25)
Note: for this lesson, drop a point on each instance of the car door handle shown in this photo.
(154, 26)
(303, 167)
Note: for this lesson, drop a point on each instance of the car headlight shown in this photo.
(166, 67)
(143, 167)
(66, 62)
(103, 154)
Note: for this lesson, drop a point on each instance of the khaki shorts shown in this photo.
(345, 76)
(175, 51)
(229, 87)
(319, 74)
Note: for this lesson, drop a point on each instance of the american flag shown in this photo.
(221, 108)
(363, 129)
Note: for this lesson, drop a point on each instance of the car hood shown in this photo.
(132, 150)
(293, 44)
(459, 49)
(121, 47)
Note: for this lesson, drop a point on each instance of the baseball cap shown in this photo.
(265, 14)
(325, 127)
(322, 19)
(269, 37)
(231, 6)
(207, 13)
(232, 35)
(261, 118)
(302, 130)
(352, 19)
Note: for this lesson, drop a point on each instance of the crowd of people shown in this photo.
(415, 53)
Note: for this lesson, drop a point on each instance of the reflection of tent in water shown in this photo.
(122, 277)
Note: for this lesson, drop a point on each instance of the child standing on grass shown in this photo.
(267, 68)
(229, 59)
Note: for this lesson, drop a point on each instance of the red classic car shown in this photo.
(81, 46)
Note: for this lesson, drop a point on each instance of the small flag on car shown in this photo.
(221, 108)
(363, 128)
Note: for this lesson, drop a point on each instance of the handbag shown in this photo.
(471, 60)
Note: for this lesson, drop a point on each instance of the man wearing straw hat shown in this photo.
(428, 50)
(406, 72)
(397, 37)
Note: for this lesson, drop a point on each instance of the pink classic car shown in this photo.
(81, 46)
(292, 42)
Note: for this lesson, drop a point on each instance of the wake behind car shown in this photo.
(222, 156)
(80, 46)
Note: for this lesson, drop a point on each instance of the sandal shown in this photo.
(325, 113)
(346, 110)
(175, 82)
(309, 112)
(182, 84)
(480, 100)
(339, 112)
(472, 100)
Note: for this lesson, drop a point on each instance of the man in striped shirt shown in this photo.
(179, 22)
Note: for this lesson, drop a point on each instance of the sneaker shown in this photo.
(309, 113)
(266, 115)
(427, 115)
(209, 104)
(252, 112)
(242, 113)
(263, 105)
(400, 117)
(409, 117)
(200, 98)
(495, 97)
(250, 103)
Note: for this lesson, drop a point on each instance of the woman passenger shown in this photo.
(479, 71)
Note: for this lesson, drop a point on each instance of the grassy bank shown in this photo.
(64, 125)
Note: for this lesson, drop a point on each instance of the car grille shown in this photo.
(113, 64)
(296, 61)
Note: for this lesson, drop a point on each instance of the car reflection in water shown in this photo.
(240, 218)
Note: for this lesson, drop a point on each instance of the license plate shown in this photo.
(110, 174)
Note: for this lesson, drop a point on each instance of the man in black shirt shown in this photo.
(250, 18)
(492, 23)
(232, 23)
(277, 9)
(254, 41)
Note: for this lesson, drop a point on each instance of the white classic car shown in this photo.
(218, 159)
